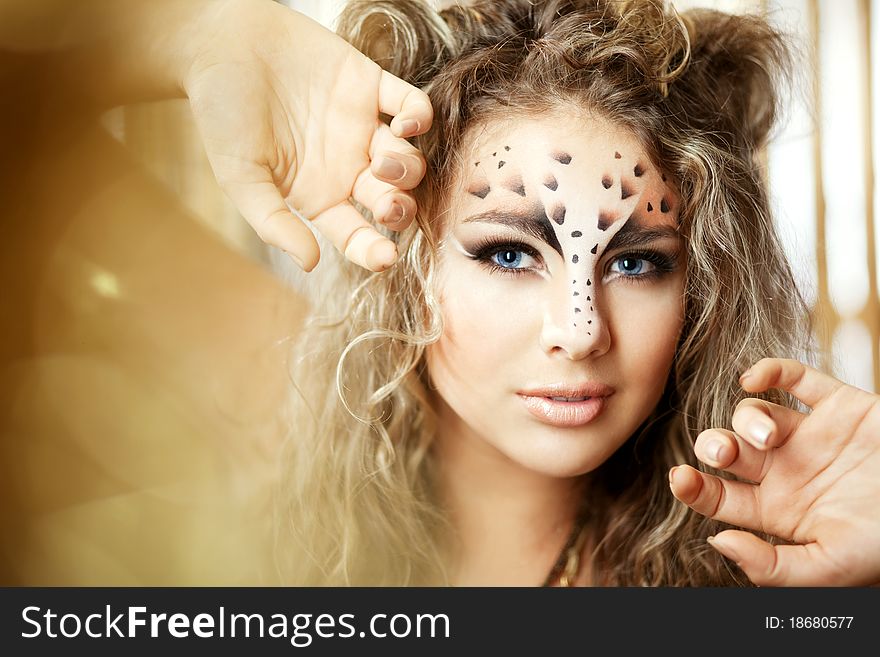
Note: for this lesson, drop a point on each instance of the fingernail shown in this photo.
(409, 127)
(671, 471)
(390, 169)
(760, 432)
(724, 550)
(713, 450)
(396, 214)
(745, 375)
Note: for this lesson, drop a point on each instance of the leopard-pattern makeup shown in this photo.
(579, 201)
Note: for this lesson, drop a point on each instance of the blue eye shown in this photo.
(508, 258)
(631, 266)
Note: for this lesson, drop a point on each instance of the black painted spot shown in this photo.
(574, 258)
(516, 185)
(576, 233)
(558, 214)
(576, 294)
(607, 182)
(573, 282)
(507, 148)
(589, 299)
(588, 333)
(664, 206)
(589, 282)
(481, 192)
(616, 155)
(638, 170)
(562, 158)
(575, 325)
(501, 163)
(476, 164)
(589, 321)
(495, 153)
(625, 191)
(577, 310)
(650, 207)
(591, 307)
(551, 184)
(605, 220)
(593, 250)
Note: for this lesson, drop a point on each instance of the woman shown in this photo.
(593, 265)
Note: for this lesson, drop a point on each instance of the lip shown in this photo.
(539, 403)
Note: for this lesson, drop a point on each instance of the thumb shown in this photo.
(777, 565)
(262, 206)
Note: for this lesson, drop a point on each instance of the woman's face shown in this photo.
(561, 278)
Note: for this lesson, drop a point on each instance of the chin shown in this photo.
(562, 456)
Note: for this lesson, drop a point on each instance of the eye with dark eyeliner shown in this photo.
(505, 256)
(632, 265)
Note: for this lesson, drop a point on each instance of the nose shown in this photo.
(576, 334)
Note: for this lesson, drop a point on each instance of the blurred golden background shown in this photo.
(143, 357)
(145, 328)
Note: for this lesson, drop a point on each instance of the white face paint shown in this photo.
(561, 265)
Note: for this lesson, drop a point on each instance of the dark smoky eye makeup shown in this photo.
(491, 251)
(663, 262)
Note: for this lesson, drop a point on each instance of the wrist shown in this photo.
(201, 40)
(170, 37)
(224, 28)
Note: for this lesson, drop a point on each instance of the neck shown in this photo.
(510, 522)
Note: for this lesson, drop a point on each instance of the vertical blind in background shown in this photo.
(820, 167)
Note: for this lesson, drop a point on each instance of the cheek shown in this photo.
(647, 338)
(485, 326)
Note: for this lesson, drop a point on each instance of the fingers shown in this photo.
(725, 450)
(350, 233)
(394, 160)
(389, 205)
(396, 211)
(778, 565)
(732, 502)
(410, 107)
(262, 206)
(395, 165)
(765, 425)
(805, 383)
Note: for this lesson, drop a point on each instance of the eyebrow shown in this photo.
(634, 234)
(534, 222)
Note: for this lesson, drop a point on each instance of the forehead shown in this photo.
(577, 131)
(505, 159)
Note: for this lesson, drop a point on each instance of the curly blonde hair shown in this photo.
(699, 90)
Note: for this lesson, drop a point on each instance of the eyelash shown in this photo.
(489, 247)
(664, 263)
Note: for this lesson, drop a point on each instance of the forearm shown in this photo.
(110, 52)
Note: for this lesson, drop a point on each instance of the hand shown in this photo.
(817, 480)
(289, 114)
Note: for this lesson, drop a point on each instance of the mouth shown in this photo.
(563, 405)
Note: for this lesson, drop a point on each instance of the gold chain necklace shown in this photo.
(568, 562)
